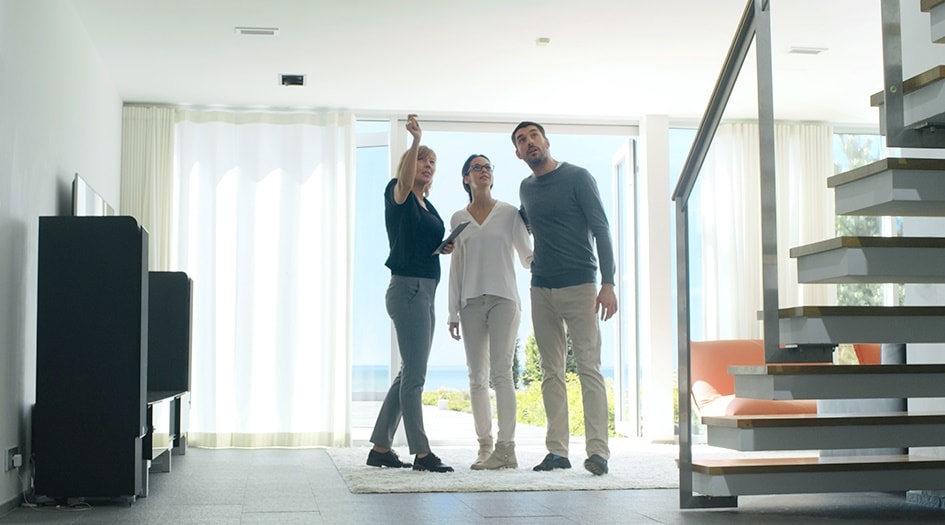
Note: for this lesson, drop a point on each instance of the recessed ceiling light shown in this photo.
(797, 50)
(257, 31)
(542, 41)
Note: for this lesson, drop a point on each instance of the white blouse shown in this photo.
(482, 259)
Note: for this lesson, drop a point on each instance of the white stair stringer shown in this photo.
(829, 381)
(745, 477)
(824, 431)
(829, 325)
(892, 187)
(872, 260)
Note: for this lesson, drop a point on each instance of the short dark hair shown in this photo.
(466, 171)
(525, 124)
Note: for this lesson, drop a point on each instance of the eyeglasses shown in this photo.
(479, 167)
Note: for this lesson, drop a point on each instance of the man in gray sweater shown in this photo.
(563, 210)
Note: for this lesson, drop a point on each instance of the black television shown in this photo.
(86, 202)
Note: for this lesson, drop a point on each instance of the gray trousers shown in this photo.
(410, 306)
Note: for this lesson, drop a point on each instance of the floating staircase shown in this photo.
(850, 452)
(846, 260)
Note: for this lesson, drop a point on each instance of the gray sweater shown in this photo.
(564, 212)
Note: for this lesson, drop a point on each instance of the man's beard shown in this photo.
(535, 162)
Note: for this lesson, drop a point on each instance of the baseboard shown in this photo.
(8, 506)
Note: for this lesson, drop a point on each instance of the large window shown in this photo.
(851, 151)
(370, 373)
(452, 145)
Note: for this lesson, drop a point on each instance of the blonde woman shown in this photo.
(414, 230)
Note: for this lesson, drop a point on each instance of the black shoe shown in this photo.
(553, 461)
(431, 463)
(596, 465)
(385, 459)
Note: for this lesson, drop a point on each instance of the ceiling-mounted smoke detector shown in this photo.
(257, 31)
(797, 50)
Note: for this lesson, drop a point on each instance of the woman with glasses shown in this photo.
(414, 231)
(483, 300)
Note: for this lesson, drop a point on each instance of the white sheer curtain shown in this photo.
(730, 222)
(806, 212)
(147, 176)
(266, 232)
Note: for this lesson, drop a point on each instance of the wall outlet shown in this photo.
(8, 463)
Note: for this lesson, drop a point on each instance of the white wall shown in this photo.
(59, 114)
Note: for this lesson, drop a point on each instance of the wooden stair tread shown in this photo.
(831, 369)
(813, 464)
(867, 242)
(928, 5)
(816, 420)
(820, 325)
(859, 311)
(912, 84)
(898, 163)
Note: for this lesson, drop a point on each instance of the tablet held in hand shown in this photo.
(452, 236)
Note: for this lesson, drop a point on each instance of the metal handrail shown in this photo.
(737, 52)
(754, 17)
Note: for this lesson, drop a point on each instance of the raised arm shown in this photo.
(408, 170)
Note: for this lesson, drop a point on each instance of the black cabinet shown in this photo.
(169, 331)
(169, 350)
(92, 357)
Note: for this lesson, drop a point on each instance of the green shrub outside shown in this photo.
(457, 400)
(530, 407)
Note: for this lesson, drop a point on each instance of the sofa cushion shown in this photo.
(713, 388)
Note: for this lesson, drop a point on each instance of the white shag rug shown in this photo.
(641, 467)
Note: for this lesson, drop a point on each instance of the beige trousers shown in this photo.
(555, 310)
(489, 325)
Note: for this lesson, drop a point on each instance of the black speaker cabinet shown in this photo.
(169, 351)
(91, 357)
(169, 331)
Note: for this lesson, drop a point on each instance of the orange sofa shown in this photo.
(713, 388)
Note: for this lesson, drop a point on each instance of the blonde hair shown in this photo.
(422, 153)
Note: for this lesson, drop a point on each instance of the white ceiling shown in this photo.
(608, 60)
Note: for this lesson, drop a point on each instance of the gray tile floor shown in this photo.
(303, 487)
